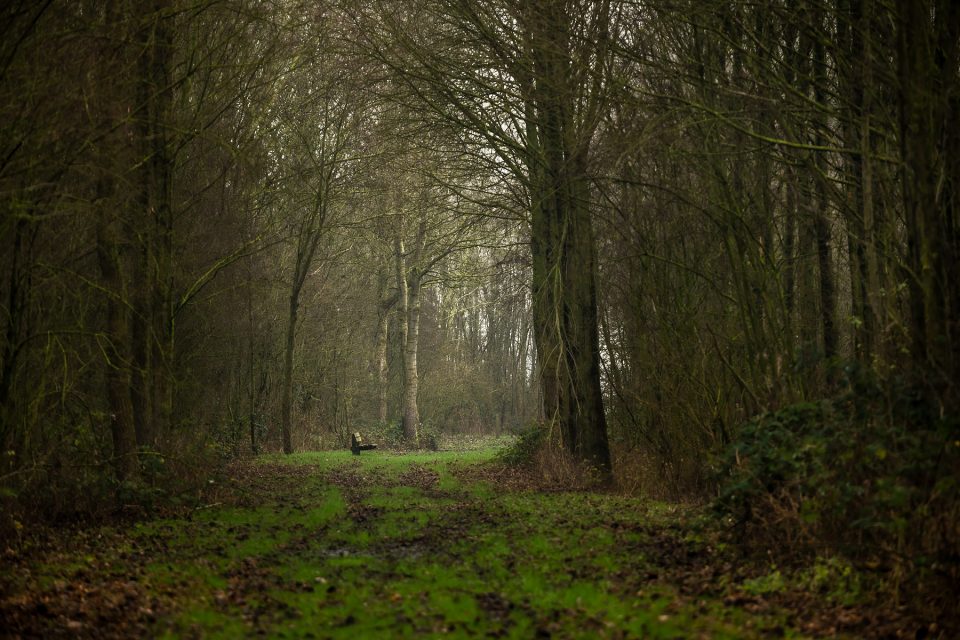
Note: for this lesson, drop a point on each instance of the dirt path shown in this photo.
(331, 546)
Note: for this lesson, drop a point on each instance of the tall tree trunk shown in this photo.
(152, 332)
(825, 270)
(308, 239)
(161, 210)
(385, 308)
(854, 26)
(110, 98)
(251, 396)
(821, 222)
(111, 262)
(789, 275)
(874, 307)
(929, 53)
(17, 303)
(409, 280)
(411, 375)
(563, 247)
(286, 401)
(383, 329)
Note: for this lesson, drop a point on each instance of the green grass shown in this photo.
(328, 545)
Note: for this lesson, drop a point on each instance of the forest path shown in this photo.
(328, 545)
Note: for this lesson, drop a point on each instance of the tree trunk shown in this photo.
(825, 270)
(789, 274)
(411, 377)
(18, 296)
(408, 282)
(385, 308)
(821, 223)
(308, 239)
(122, 425)
(383, 329)
(251, 395)
(928, 35)
(152, 334)
(110, 99)
(563, 248)
(286, 401)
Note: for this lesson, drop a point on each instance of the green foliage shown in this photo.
(834, 578)
(871, 473)
(773, 452)
(523, 451)
(429, 436)
(232, 437)
(386, 435)
(135, 494)
(772, 582)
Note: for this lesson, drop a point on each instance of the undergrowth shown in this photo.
(76, 484)
(539, 451)
(870, 475)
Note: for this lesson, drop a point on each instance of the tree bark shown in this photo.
(117, 377)
(286, 401)
(563, 246)
(111, 97)
(409, 278)
(411, 377)
(928, 52)
(821, 223)
(383, 329)
(152, 334)
(387, 304)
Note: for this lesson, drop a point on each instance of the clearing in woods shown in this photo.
(329, 545)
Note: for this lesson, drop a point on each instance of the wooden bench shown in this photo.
(357, 444)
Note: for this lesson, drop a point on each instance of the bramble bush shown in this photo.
(870, 474)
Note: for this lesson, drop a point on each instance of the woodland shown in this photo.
(676, 279)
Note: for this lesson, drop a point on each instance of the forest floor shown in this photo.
(329, 545)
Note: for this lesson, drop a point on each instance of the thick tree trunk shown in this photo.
(565, 324)
(160, 190)
(585, 429)
(152, 331)
(110, 99)
(563, 249)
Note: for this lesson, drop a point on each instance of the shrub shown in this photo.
(871, 474)
(523, 452)
(386, 435)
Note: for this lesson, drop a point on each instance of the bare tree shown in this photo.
(524, 81)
